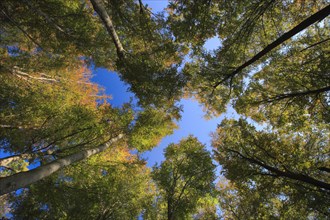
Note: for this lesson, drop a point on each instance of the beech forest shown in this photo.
(68, 152)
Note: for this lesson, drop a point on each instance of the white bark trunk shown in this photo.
(16, 71)
(23, 179)
(100, 10)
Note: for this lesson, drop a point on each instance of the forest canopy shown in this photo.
(67, 153)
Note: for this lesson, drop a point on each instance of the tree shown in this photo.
(252, 34)
(301, 89)
(23, 179)
(43, 113)
(50, 110)
(114, 184)
(186, 175)
(147, 56)
(274, 169)
(151, 57)
(34, 30)
(318, 16)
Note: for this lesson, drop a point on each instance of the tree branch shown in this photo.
(318, 16)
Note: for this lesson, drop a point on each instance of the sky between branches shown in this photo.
(192, 121)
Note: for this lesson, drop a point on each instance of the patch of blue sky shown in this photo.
(193, 123)
(212, 43)
(157, 6)
(113, 86)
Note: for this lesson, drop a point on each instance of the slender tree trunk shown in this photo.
(16, 71)
(101, 11)
(288, 174)
(169, 209)
(297, 94)
(23, 179)
(318, 16)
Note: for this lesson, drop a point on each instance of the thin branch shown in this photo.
(21, 29)
(313, 45)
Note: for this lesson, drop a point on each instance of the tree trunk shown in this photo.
(169, 209)
(288, 174)
(23, 179)
(297, 94)
(101, 11)
(318, 16)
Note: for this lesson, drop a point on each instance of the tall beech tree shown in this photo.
(289, 168)
(75, 30)
(114, 184)
(186, 175)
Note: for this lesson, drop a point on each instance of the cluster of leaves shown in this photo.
(274, 173)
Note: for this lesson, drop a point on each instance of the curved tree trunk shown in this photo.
(23, 179)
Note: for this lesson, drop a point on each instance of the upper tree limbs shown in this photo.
(318, 16)
(185, 176)
(252, 159)
(250, 150)
(233, 82)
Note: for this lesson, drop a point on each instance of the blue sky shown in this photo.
(192, 122)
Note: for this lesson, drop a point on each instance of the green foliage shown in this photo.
(244, 29)
(50, 109)
(150, 127)
(293, 87)
(39, 31)
(114, 185)
(186, 176)
(273, 174)
(207, 208)
(187, 17)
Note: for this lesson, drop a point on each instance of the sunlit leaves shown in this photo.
(150, 127)
(274, 165)
(112, 185)
(184, 177)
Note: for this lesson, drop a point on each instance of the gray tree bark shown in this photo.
(103, 14)
(318, 16)
(23, 179)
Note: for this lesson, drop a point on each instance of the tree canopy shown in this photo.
(67, 153)
(184, 177)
